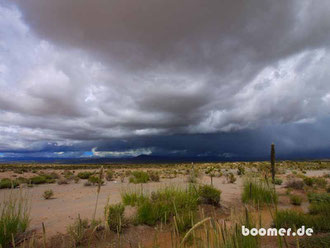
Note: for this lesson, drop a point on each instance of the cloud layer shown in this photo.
(78, 75)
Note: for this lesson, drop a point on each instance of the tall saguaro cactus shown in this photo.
(272, 161)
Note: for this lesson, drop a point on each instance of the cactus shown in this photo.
(272, 161)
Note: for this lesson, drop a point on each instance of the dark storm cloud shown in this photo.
(81, 74)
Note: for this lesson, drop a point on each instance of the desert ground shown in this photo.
(73, 197)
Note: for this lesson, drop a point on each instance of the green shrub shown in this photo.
(209, 195)
(278, 181)
(133, 198)
(154, 176)
(38, 180)
(139, 177)
(109, 175)
(115, 217)
(84, 175)
(258, 192)
(231, 178)
(318, 197)
(240, 170)
(322, 208)
(295, 200)
(14, 218)
(309, 181)
(293, 219)
(7, 183)
(48, 194)
(163, 204)
(95, 180)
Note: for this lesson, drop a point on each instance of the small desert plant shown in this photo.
(258, 192)
(294, 219)
(295, 184)
(295, 200)
(133, 198)
(77, 231)
(278, 181)
(95, 180)
(38, 180)
(139, 177)
(318, 197)
(62, 181)
(84, 175)
(320, 208)
(109, 175)
(7, 183)
(14, 218)
(115, 217)
(48, 194)
(154, 176)
(209, 195)
(240, 170)
(230, 177)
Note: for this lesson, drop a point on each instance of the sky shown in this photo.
(108, 78)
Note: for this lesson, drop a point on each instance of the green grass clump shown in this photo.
(318, 197)
(320, 208)
(295, 200)
(294, 219)
(14, 218)
(115, 217)
(7, 183)
(258, 193)
(84, 175)
(133, 198)
(163, 205)
(95, 180)
(278, 181)
(48, 194)
(139, 177)
(209, 195)
(320, 241)
(40, 180)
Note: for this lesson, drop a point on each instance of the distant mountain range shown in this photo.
(133, 160)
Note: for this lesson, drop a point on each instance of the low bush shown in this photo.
(62, 181)
(318, 197)
(258, 192)
(7, 183)
(115, 217)
(154, 176)
(40, 180)
(240, 170)
(48, 194)
(295, 200)
(95, 180)
(133, 198)
(294, 219)
(165, 203)
(139, 177)
(84, 175)
(278, 181)
(209, 195)
(295, 184)
(109, 175)
(320, 208)
(231, 178)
